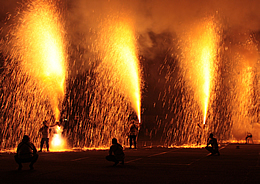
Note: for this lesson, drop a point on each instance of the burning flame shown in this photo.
(200, 49)
(57, 141)
(40, 39)
(207, 59)
(120, 55)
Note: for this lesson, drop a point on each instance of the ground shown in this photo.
(238, 163)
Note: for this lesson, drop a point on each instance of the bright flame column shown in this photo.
(199, 50)
(39, 46)
(42, 49)
(119, 55)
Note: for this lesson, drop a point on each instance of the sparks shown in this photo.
(40, 38)
(120, 55)
(37, 45)
(200, 49)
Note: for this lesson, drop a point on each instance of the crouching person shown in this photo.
(213, 149)
(116, 153)
(26, 152)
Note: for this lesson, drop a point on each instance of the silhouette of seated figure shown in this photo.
(26, 152)
(116, 153)
(249, 137)
(212, 145)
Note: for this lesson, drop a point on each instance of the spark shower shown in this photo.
(93, 72)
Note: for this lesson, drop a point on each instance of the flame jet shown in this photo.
(37, 42)
(199, 50)
(41, 48)
(119, 56)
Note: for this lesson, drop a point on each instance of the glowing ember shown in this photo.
(120, 56)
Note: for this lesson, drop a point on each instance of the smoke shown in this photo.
(7, 7)
(174, 16)
(240, 132)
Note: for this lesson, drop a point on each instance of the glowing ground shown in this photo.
(154, 165)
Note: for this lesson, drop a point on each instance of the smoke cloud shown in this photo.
(152, 15)
(173, 16)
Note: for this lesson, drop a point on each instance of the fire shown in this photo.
(42, 49)
(188, 146)
(200, 49)
(120, 56)
(57, 141)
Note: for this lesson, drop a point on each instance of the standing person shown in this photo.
(116, 153)
(45, 130)
(213, 149)
(132, 134)
(26, 152)
(249, 136)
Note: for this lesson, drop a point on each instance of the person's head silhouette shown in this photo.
(114, 141)
(45, 122)
(26, 138)
(211, 135)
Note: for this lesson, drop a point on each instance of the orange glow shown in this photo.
(245, 77)
(189, 146)
(58, 143)
(241, 141)
(208, 52)
(40, 37)
(95, 148)
(243, 102)
(199, 51)
(120, 56)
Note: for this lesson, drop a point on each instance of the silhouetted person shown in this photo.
(132, 134)
(116, 153)
(45, 130)
(26, 152)
(249, 136)
(213, 149)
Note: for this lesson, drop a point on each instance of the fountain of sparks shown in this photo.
(241, 109)
(103, 97)
(199, 50)
(36, 72)
(120, 57)
(194, 87)
(244, 103)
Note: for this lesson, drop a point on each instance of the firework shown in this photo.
(244, 84)
(199, 50)
(119, 56)
(37, 51)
